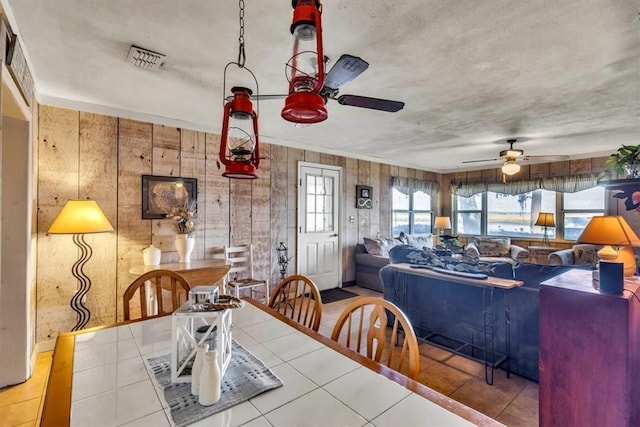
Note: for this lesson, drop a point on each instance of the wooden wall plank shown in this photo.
(134, 234)
(374, 214)
(580, 166)
(559, 169)
(98, 180)
(351, 235)
(279, 204)
(540, 170)
(385, 200)
(192, 165)
(364, 215)
(260, 236)
(215, 198)
(294, 156)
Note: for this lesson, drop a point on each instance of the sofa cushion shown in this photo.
(417, 240)
(380, 246)
(493, 246)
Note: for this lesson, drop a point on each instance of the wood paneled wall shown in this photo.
(83, 155)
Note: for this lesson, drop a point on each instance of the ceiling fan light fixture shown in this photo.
(305, 68)
(510, 167)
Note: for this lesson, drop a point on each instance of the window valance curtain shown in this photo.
(563, 184)
(410, 185)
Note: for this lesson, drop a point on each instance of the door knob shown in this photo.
(334, 235)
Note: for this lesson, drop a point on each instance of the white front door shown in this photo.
(318, 224)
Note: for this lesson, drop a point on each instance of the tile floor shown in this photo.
(513, 401)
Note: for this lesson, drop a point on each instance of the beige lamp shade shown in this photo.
(80, 217)
(609, 230)
(442, 222)
(545, 219)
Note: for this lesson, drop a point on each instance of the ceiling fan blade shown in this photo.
(481, 161)
(346, 68)
(372, 103)
(550, 158)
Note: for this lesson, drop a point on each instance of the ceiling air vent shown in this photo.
(144, 58)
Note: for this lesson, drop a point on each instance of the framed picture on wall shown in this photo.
(364, 197)
(161, 193)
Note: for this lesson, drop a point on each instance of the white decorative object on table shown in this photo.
(184, 246)
(185, 338)
(151, 255)
(196, 369)
(210, 377)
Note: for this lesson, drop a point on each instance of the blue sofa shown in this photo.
(451, 312)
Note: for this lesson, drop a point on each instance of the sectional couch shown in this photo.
(373, 254)
(443, 307)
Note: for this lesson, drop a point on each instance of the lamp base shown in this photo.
(628, 257)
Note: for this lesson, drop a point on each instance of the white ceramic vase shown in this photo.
(196, 369)
(209, 391)
(184, 246)
(151, 255)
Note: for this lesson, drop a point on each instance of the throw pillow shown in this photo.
(373, 246)
(585, 254)
(420, 241)
(380, 246)
(493, 246)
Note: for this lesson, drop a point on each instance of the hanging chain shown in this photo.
(241, 55)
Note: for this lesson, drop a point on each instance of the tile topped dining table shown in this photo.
(99, 377)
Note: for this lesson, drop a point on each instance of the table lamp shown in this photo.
(80, 217)
(441, 223)
(612, 231)
(545, 219)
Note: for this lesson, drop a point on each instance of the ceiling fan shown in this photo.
(512, 155)
(347, 68)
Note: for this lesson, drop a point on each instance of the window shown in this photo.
(411, 213)
(491, 213)
(578, 208)
(515, 215)
(468, 214)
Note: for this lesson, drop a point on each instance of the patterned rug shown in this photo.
(336, 294)
(246, 377)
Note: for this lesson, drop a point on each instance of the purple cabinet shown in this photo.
(589, 353)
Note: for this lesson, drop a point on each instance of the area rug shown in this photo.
(246, 377)
(336, 294)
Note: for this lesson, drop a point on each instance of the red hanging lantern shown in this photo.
(239, 149)
(305, 69)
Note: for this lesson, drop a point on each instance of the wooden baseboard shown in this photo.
(349, 283)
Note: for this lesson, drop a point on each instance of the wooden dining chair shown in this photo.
(241, 277)
(298, 298)
(367, 330)
(149, 288)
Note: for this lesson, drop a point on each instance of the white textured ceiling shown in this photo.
(563, 75)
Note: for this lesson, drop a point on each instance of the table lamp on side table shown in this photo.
(80, 217)
(545, 219)
(441, 223)
(612, 231)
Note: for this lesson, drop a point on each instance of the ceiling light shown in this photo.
(305, 69)
(510, 167)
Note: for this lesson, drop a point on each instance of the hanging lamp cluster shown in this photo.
(239, 142)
